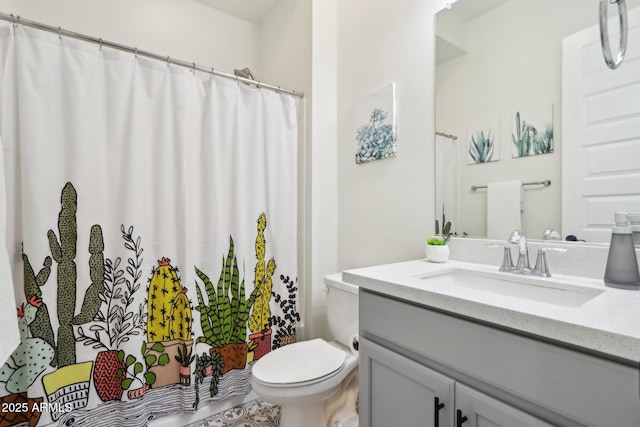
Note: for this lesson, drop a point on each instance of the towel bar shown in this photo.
(546, 183)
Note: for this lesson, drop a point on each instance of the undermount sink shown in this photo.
(530, 288)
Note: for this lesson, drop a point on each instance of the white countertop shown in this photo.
(609, 323)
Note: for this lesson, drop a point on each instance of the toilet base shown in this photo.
(339, 410)
(311, 415)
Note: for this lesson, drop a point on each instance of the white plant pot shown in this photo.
(437, 253)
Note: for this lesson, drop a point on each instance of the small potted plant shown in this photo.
(437, 249)
(138, 372)
(185, 358)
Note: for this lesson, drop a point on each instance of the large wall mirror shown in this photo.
(499, 94)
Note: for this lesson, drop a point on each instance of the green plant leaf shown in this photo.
(130, 360)
(164, 359)
(126, 383)
(137, 368)
(150, 359)
(149, 378)
(158, 347)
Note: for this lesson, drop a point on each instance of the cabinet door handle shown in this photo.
(460, 418)
(437, 405)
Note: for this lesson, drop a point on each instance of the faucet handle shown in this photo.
(542, 268)
(507, 261)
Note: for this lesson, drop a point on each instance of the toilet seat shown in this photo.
(298, 364)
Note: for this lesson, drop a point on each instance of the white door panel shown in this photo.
(600, 133)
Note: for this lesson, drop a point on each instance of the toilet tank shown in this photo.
(342, 308)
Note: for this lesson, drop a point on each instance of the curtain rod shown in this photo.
(17, 20)
(447, 135)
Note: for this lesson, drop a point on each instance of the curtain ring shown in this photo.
(193, 69)
(237, 80)
(100, 43)
(259, 85)
(168, 60)
(213, 74)
(135, 52)
(13, 21)
(60, 33)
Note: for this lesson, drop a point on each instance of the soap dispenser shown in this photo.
(634, 222)
(622, 264)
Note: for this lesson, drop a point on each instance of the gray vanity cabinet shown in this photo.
(397, 391)
(481, 410)
(400, 391)
(415, 358)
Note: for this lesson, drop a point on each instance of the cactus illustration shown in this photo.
(524, 136)
(63, 251)
(544, 143)
(223, 319)
(91, 302)
(259, 320)
(180, 319)
(31, 357)
(41, 325)
(169, 310)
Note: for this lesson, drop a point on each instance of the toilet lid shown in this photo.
(299, 362)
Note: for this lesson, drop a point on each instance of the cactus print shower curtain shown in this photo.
(151, 233)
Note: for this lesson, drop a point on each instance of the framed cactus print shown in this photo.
(376, 125)
(483, 143)
(532, 131)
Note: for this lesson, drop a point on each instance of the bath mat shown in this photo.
(256, 413)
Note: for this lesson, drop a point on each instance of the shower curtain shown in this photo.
(447, 181)
(151, 232)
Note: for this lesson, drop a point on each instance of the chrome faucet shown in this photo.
(522, 266)
(542, 268)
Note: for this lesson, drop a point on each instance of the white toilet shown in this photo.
(315, 382)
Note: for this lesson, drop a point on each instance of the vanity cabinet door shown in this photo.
(396, 391)
(475, 409)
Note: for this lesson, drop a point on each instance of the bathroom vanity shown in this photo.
(461, 344)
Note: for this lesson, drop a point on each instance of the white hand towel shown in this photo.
(504, 208)
(9, 332)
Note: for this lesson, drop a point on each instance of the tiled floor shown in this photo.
(256, 413)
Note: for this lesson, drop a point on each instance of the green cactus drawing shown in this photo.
(63, 251)
(528, 140)
(259, 320)
(223, 319)
(544, 144)
(31, 357)
(169, 310)
(91, 302)
(41, 325)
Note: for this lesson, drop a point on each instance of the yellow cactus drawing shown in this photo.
(259, 320)
(169, 311)
(180, 319)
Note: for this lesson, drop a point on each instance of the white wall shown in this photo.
(514, 63)
(288, 47)
(385, 208)
(323, 154)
